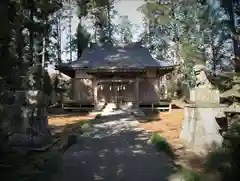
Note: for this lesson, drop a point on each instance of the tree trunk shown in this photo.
(109, 22)
(229, 6)
(79, 47)
(70, 33)
(31, 36)
(59, 39)
(4, 38)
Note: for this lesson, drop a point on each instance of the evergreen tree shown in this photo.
(125, 30)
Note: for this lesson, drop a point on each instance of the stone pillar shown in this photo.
(137, 92)
(115, 93)
(31, 128)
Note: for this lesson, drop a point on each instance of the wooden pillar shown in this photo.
(170, 107)
(73, 88)
(95, 91)
(115, 93)
(165, 87)
(137, 92)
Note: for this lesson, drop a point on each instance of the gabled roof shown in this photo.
(132, 56)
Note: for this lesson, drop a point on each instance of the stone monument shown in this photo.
(201, 78)
(200, 130)
(27, 120)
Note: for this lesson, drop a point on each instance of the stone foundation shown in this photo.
(200, 130)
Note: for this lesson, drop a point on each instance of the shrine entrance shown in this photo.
(114, 91)
(118, 87)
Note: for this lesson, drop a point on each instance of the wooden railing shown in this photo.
(164, 105)
(78, 105)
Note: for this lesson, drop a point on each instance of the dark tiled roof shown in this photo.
(109, 57)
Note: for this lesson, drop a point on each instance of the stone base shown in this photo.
(26, 109)
(200, 131)
(23, 140)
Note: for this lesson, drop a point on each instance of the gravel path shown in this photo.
(115, 149)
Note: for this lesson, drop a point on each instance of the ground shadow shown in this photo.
(149, 116)
(62, 125)
(174, 106)
(115, 152)
(63, 113)
(151, 113)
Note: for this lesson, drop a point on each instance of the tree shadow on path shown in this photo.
(115, 150)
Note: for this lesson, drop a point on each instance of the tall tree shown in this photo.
(233, 9)
(197, 28)
(125, 30)
(82, 36)
(102, 14)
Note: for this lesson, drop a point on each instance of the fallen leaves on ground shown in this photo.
(168, 125)
(65, 119)
(63, 125)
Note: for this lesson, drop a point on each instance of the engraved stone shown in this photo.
(26, 116)
(204, 95)
(200, 130)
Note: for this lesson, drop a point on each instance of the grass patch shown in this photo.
(188, 174)
(98, 116)
(162, 145)
(72, 135)
(217, 160)
(191, 175)
(69, 134)
(215, 165)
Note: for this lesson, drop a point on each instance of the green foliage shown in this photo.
(86, 126)
(191, 175)
(222, 163)
(79, 41)
(24, 46)
(98, 116)
(159, 30)
(162, 144)
(157, 138)
(125, 30)
(189, 30)
(102, 14)
(226, 160)
(82, 37)
(72, 139)
(82, 8)
(217, 159)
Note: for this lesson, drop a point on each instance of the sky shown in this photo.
(124, 8)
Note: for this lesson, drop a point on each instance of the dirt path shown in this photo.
(115, 149)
